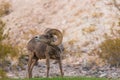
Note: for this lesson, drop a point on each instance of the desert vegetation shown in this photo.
(6, 50)
(110, 51)
(4, 8)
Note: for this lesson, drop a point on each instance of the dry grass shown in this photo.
(6, 50)
(4, 8)
(89, 29)
(110, 51)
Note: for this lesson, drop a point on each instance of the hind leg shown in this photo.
(32, 61)
(60, 66)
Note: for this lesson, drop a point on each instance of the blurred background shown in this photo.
(91, 30)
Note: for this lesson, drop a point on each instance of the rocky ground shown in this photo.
(69, 69)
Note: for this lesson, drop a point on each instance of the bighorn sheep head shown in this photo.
(51, 33)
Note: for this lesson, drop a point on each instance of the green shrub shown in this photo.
(5, 50)
(2, 24)
(2, 73)
(110, 51)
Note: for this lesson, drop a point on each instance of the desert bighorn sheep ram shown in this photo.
(45, 47)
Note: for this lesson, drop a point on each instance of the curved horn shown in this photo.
(57, 33)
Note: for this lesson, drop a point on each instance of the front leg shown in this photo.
(48, 66)
(48, 63)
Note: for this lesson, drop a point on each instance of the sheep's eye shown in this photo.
(50, 35)
(36, 36)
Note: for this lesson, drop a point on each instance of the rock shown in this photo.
(103, 75)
